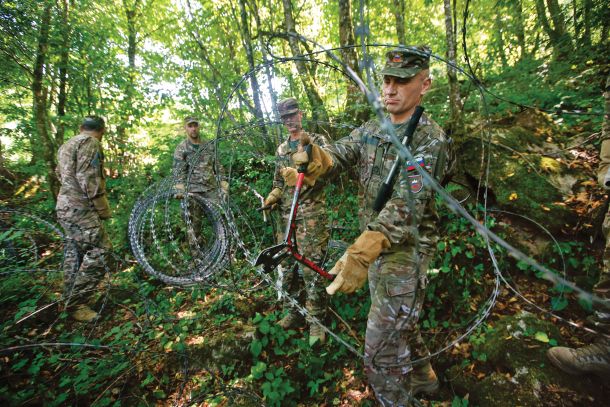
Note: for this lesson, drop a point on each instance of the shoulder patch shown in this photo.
(96, 160)
(416, 183)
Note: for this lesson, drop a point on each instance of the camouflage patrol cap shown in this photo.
(190, 119)
(407, 62)
(93, 123)
(288, 106)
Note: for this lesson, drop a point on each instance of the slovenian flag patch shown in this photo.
(418, 161)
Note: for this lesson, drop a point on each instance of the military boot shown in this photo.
(594, 358)
(290, 320)
(600, 320)
(423, 379)
(84, 314)
(316, 334)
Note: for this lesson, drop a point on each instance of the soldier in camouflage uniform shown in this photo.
(194, 174)
(82, 204)
(595, 358)
(312, 230)
(194, 165)
(387, 250)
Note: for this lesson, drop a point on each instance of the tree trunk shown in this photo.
(319, 114)
(559, 37)
(586, 23)
(63, 75)
(498, 26)
(266, 57)
(127, 110)
(247, 41)
(399, 17)
(41, 116)
(455, 102)
(355, 103)
(606, 122)
(603, 38)
(519, 28)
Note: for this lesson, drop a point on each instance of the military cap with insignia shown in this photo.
(406, 62)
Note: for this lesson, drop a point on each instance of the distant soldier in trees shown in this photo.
(595, 358)
(312, 229)
(194, 174)
(82, 204)
(387, 251)
(194, 165)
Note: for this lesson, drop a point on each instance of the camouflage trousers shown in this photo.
(198, 232)
(602, 288)
(302, 282)
(397, 283)
(87, 253)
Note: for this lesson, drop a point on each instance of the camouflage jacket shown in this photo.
(194, 166)
(312, 200)
(412, 200)
(80, 169)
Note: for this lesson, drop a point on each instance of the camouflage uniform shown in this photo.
(81, 172)
(194, 169)
(602, 288)
(398, 277)
(311, 231)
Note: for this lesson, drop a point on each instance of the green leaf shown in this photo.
(256, 347)
(264, 327)
(258, 370)
(541, 337)
(558, 303)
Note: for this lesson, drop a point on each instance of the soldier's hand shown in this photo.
(290, 176)
(179, 188)
(102, 207)
(273, 198)
(352, 268)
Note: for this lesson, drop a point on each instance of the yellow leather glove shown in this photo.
(319, 162)
(224, 186)
(179, 188)
(352, 268)
(102, 207)
(290, 176)
(273, 198)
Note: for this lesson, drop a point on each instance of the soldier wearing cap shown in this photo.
(194, 164)
(312, 231)
(387, 252)
(194, 174)
(82, 204)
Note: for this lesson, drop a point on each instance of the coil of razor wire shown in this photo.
(211, 259)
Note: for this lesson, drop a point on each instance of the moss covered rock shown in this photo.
(519, 177)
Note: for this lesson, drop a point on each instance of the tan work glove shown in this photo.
(224, 186)
(352, 268)
(290, 176)
(319, 162)
(273, 198)
(102, 207)
(179, 188)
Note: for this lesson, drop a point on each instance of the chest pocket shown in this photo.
(379, 157)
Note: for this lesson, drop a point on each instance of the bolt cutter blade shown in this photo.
(272, 256)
